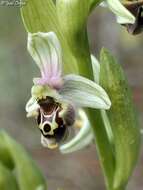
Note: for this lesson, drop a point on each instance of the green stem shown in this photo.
(75, 34)
(104, 148)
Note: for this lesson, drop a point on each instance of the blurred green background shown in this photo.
(81, 170)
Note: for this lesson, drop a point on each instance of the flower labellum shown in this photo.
(53, 118)
(55, 98)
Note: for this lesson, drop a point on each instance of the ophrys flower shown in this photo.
(55, 97)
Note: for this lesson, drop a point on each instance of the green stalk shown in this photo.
(103, 145)
(104, 148)
(79, 46)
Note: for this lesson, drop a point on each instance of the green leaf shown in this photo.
(7, 180)
(18, 165)
(41, 16)
(122, 119)
(104, 147)
(104, 128)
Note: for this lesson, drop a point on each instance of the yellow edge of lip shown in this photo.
(52, 146)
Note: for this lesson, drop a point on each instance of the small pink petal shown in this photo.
(54, 82)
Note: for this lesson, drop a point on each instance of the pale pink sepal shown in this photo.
(46, 51)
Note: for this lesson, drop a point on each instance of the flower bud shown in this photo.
(136, 8)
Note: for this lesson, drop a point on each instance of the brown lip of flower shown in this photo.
(49, 110)
(52, 105)
(136, 8)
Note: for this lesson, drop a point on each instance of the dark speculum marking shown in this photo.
(48, 105)
(47, 128)
(59, 133)
(136, 8)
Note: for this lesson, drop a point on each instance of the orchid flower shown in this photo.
(55, 97)
(124, 16)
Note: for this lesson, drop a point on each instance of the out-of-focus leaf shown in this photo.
(41, 16)
(122, 119)
(19, 165)
(7, 180)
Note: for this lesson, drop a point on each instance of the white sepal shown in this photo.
(46, 51)
(31, 107)
(84, 92)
